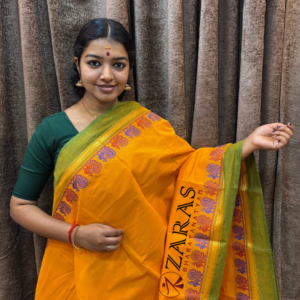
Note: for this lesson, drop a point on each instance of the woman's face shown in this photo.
(104, 70)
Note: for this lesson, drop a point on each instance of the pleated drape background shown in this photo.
(216, 69)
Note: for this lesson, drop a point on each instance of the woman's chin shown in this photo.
(104, 97)
(108, 99)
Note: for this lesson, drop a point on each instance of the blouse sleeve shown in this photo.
(37, 165)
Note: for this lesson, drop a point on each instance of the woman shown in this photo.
(155, 215)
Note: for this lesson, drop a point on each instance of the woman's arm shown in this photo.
(94, 237)
(269, 137)
(27, 214)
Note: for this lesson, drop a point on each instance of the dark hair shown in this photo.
(95, 29)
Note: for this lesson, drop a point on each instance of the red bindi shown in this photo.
(107, 48)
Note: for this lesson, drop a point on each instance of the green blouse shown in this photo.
(41, 155)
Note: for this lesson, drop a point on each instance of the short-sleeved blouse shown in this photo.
(41, 155)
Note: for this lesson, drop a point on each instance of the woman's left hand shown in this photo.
(272, 136)
(269, 137)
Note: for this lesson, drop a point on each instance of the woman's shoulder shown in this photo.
(58, 123)
(54, 131)
(54, 118)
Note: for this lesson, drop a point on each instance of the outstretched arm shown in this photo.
(269, 137)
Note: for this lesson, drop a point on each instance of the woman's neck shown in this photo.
(96, 106)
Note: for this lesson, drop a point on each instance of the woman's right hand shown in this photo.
(98, 237)
(94, 237)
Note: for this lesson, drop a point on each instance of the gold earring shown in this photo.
(127, 87)
(79, 83)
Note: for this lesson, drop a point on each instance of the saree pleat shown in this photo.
(182, 212)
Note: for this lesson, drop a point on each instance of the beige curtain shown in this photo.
(216, 69)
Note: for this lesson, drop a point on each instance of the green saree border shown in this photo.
(230, 184)
(259, 224)
(82, 141)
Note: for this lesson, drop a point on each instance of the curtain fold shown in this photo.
(252, 53)
(286, 244)
(176, 107)
(160, 59)
(205, 119)
(270, 98)
(17, 255)
(190, 11)
(37, 101)
(215, 69)
(228, 63)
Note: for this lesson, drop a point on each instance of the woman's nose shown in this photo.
(106, 74)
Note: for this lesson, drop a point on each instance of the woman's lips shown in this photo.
(106, 88)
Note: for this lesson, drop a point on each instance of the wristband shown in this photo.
(70, 231)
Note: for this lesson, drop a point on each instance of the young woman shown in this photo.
(155, 217)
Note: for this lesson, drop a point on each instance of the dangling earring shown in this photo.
(127, 87)
(79, 83)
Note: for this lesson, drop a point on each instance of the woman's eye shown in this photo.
(119, 65)
(94, 63)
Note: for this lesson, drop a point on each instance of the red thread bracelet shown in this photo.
(70, 231)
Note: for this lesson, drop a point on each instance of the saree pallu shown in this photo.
(194, 220)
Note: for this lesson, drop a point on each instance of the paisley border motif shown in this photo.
(203, 232)
(93, 165)
(208, 205)
(239, 243)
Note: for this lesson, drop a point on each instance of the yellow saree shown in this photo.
(194, 220)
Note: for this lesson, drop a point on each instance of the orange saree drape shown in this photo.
(193, 220)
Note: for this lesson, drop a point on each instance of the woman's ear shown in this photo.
(76, 63)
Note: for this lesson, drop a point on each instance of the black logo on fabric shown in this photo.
(170, 284)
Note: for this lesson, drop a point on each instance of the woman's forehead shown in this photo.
(104, 45)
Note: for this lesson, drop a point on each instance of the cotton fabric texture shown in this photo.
(194, 220)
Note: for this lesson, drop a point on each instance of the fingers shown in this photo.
(112, 240)
(277, 133)
(111, 244)
(291, 127)
(109, 248)
(280, 139)
(99, 237)
(107, 244)
(280, 142)
(288, 129)
(111, 232)
(279, 126)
